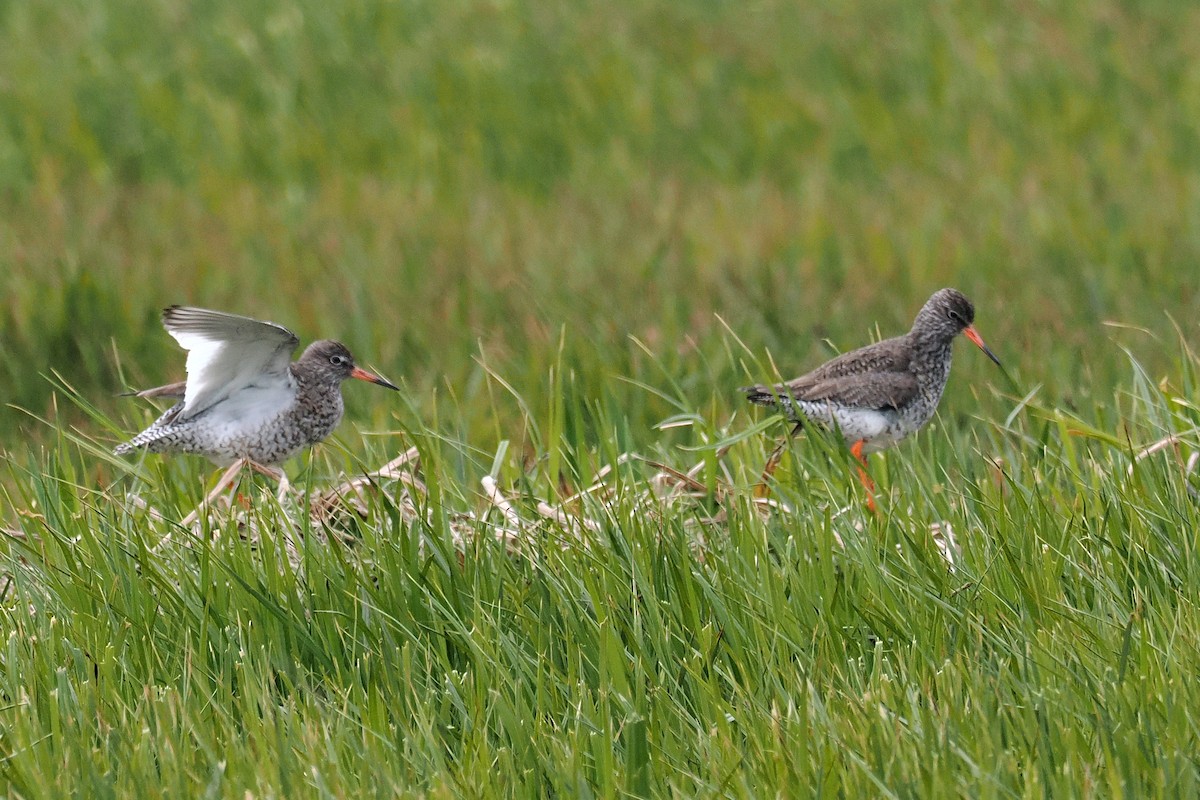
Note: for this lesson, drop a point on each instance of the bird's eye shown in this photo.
(337, 361)
(954, 316)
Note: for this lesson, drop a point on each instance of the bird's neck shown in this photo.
(308, 385)
(931, 362)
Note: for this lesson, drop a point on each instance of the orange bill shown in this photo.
(974, 336)
(363, 375)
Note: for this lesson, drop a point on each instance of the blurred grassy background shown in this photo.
(575, 199)
(435, 181)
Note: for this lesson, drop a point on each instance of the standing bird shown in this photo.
(881, 393)
(244, 399)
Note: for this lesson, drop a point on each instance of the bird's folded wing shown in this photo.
(848, 373)
(889, 355)
(875, 390)
(227, 353)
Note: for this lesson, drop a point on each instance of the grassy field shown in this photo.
(569, 231)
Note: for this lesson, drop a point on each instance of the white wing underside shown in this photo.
(227, 354)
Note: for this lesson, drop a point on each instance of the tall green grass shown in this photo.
(570, 232)
(698, 649)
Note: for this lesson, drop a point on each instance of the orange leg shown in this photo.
(856, 450)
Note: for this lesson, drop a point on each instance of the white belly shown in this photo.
(877, 429)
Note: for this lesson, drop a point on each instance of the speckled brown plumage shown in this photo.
(881, 393)
(244, 397)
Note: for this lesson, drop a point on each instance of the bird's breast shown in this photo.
(317, 413)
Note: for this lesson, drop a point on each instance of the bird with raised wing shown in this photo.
(244, 398)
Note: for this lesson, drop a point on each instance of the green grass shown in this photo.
(570, 231)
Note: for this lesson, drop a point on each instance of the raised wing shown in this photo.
(227, 353)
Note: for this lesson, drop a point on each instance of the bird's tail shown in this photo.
(764, 395)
